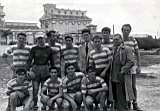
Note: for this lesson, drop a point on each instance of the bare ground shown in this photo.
(148, 83)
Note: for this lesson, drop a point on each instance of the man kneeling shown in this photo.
(52, 91)
(18, 91)
(94, 90)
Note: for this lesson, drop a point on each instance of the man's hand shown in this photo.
(49, 102)
(138, 70)
(103, 74)
(4, 55)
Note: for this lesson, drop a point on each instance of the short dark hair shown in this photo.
(23, 34)
(68, 36)
(21, 70)
(126, 25)
(96, 37)
(86, 31)
(106, 29)
(49, 33)
(53, 67)
(118, 35)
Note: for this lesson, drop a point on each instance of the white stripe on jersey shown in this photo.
(99, 54)
(70, 61)
(20, 57)
(19, 62)
(101, 60)
(25, 51)
(100, 66)
(70, 51)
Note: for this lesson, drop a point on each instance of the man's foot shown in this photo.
(129, 105)
(35, 108)
(135, 107)
(7, 109)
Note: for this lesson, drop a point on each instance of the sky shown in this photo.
(143, 15)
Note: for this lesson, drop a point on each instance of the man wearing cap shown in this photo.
(20, 53)
(85, 48)
(70, 53)
(38, 63)
(56, 48)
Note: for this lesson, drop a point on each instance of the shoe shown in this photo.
(129, 105)
(43, 108)
(35, 108)
(135, 107)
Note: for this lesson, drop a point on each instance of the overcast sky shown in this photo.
(143, 15)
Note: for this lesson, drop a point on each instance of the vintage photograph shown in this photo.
(79, 55)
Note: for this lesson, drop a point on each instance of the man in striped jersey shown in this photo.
(56, 48)
(131, 42)
(94, 90)
(70, 53)
(100, 57)
(20, 53)
(18, 91)
(72, 85)
(52, 91)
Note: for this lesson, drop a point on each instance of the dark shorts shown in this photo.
(41, 72)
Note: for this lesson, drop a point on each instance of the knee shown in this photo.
(65, 104)
(13, 96)
(78, 95)
(89, 101)
(59, 101)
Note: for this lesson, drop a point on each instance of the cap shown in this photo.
(40, 34)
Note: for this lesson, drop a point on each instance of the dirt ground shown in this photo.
(148, 83)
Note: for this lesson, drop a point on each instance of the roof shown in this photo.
(21, 25)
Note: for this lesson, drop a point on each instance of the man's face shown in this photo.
(70, 70)
(126, 30)
(117, 40)
(91, 75)
(86, 36)
(106, 33)
(97, 42)
(41, 41)
(53, 73)
(20, 78)
(52, 37)
(69, 41)
(21, 39)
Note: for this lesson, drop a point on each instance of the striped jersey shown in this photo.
(73, 85)
(13, 86)
(52, 87)
(56, 54)
(132, 43)
(88, 85)
(70, 55)
(99, 59)
(20, 56)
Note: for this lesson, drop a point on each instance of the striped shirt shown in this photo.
(88, 85)
(56, 54)
(20, 56)
(52, 87)
(70, 55)
(99, 59)
(13, 86)
(73, 85)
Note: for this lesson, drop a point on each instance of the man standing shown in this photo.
(121, 64)
(20, 53)
(131, 42)
(56, 48)
(85, 48)
(39, 61)
(70, 53)
(106, 35)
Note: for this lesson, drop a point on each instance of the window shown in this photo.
(59, 11)
(65, 12)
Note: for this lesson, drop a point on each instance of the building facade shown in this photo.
(63, 20)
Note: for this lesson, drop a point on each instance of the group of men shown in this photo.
(98, 73)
